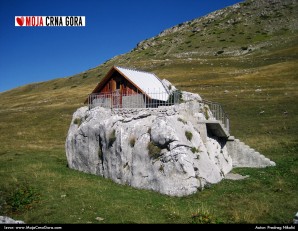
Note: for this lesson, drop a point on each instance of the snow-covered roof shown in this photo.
(147, 82)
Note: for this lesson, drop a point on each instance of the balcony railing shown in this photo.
(136, 100)
(116, 100)
(218, 113)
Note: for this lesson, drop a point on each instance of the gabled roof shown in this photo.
(147, 83)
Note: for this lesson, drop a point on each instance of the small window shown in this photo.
(118, 84)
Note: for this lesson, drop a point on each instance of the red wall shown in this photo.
(125, 86)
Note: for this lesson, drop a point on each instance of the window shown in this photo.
(118, 84)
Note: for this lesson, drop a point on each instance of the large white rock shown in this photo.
(8, 220)
(115, 144)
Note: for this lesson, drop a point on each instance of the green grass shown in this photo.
(188, 135)
(112, 138)
(195, 150)
(153, 150)
(77, 121)
(69, 196)
(132, 142)
(37, 186)
(182, 120)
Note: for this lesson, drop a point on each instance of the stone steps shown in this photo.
(245, 156)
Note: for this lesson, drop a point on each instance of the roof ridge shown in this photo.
(131, 69)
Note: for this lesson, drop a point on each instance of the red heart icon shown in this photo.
(20, 20)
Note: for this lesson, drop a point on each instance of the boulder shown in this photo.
(8, 220)
(161, 149)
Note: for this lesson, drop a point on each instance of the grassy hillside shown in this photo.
(244, 57)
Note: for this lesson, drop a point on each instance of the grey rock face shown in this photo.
(295, 220)
(157, 149)
(8, 220)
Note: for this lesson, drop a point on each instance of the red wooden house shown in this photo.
(127, 88)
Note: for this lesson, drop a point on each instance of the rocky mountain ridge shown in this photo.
(240, 28)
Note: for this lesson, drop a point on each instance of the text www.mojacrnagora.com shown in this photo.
(32, 227)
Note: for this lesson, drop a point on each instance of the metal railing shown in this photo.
(117, 100)
(218, 113)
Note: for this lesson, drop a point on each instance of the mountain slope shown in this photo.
(236, 30)
(244, 31)
(243, 56)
